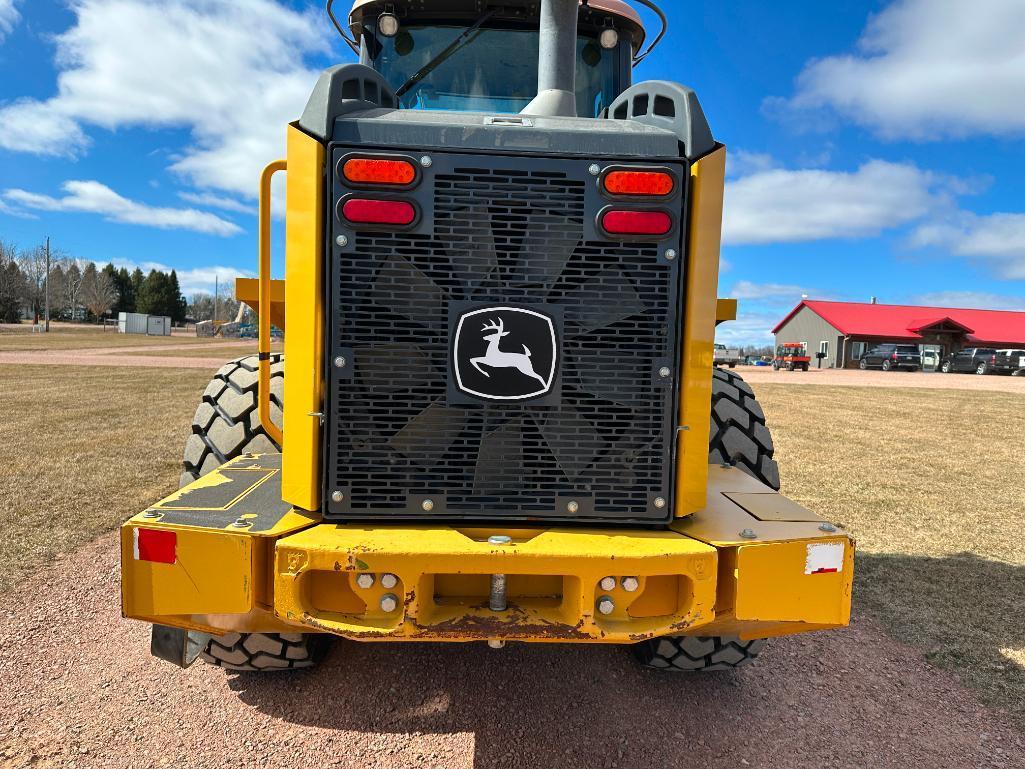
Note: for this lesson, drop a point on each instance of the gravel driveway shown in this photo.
(876, 378)
(79, 689)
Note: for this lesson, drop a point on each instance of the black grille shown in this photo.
(522, 235)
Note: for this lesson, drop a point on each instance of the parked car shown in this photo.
(1008, 362)
(892, 356)
(971, 359)
(726, 356)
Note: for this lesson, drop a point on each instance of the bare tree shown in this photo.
(73, 278)
(33, 266)
(98, 292)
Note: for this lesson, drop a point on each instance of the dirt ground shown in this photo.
(80, 689)
(874, 378)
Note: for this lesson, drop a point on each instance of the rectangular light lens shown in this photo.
(156, 545)
(636, 222)
(379, 171)
(639, 183)
(368, 211)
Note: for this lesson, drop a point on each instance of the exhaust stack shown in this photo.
(557, 61)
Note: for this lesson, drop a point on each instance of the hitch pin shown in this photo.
(497, 600)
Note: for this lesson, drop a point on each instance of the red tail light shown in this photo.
(636, 222)
(993, 359)
(649, 183)
(156, 545)
(895, 356)
(379, 171)
(368, 211)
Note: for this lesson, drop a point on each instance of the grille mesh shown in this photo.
(502, 235)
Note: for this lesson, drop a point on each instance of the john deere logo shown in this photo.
(504, 353)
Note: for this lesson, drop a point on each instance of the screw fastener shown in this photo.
(365, 580)
(606, 605)
(748, 534)
(499, 539)
(607, 583)
(241, 523)
(659, 502)
(827, 527)
(670, 254)
(151, 514)
(426, 161)
(342, 241)
(388, 581)
(337, 496)
(630, 584)
(664, 372)
(496, 643)
(389, 603)
(572, 506)
(594, 169)
(341, 362)
(427, 505)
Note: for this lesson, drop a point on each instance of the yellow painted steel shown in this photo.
(304, 313)
(699, 318)
(248, 290)
(264, 304)
(553, 583)
(725, 309)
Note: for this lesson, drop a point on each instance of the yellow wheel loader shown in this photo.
(496, 417)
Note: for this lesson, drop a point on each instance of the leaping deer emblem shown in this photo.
(495, 358)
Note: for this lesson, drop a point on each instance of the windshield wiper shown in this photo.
(442, 57)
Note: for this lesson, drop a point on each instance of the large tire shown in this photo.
(694, 654)
(227, 425)
(737, 434)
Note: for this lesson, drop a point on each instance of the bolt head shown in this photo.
(341, 362)
(748, 534)
(606, 605)
(670, 254)
(664, 372)
(151, 514)
(630, 584)
(427, 505)
(594, 169)
(607, 583)
(496, 643)
(572, 506)
(389, 603)
(659, 502)
(240, 523)
(388, 581)
(426, 161)
(337, 496)
(827, 527)
(365, 580)
(342, 241)
(499, 539)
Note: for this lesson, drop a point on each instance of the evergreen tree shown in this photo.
(179, 304)
(137, 280)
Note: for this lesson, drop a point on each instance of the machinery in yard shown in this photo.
(496, 417)
(791, 356)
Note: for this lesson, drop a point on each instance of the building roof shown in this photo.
(900, 322)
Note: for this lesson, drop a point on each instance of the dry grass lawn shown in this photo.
(932, 484)
(227, 352)
(82, 449)
(67, 339)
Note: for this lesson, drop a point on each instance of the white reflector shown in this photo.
(824, 558)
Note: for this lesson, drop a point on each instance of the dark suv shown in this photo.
(892, 356)
(971, 359)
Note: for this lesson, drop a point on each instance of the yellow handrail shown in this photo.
(263, 341)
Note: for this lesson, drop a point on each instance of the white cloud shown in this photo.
(94, 197)
(196, 280)
(998, 240)
(217, 201)
(745, 289)
(972, 299)
(786, 206)
(232, 76)
(750, 328)
(926, 69)
(8, 17)
(743, 162)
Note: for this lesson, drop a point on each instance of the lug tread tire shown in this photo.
(263, 651)
(692, 654)
(738, 434)
(227, 423)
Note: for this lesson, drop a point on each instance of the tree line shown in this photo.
(82, 291)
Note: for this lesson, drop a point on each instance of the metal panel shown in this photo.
(503, 231)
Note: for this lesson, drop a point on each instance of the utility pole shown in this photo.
(216, 290)
(46, 325)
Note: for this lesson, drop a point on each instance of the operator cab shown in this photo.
(472, 56)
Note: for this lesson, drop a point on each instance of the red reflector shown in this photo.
(636, 222)
(652, 183)
(364, 211)
(825, 571)
(378, 171)
(157, 545)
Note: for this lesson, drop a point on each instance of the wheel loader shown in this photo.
(496, 417)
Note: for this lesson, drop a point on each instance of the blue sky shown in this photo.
(876, 148)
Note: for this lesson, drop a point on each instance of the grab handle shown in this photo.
(263, 340)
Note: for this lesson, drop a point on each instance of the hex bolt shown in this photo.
(337, 496)
(630, 584)
(497, 600)
(607, 583)
(496, 643)
(670, 254)
(499, 539)
(389, 603)
(659, 502)
(426, 161)
(388, 581)
(341, 362)
(342, 241)
(572, 506)
(594, 169)
(151, 514)
(606, 605)
(748, 534)
(664, 372)
(365, 580)
(427, 505)
(241, 523)
(827, 527)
